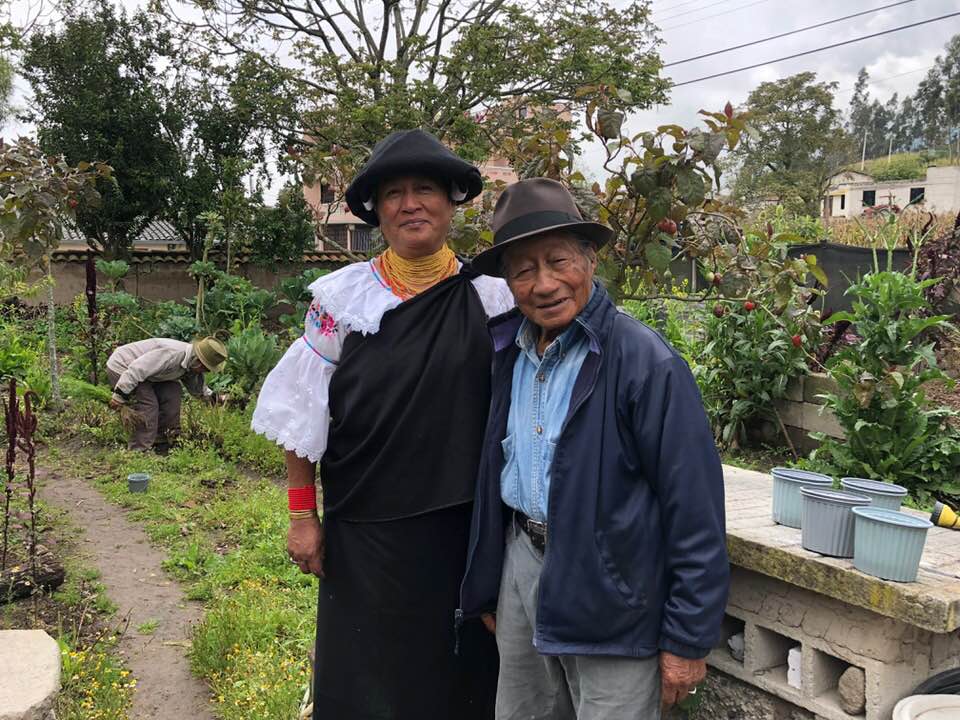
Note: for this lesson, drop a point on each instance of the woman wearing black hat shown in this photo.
(388, 389)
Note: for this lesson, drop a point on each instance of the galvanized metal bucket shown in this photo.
(787, 507)
(888, 544)
(884, 495)
(828, 521)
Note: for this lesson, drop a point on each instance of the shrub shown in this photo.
(295, 293)
(251, 354)
(891, 431)
(905, 166)
(798, 228)
(674, 319)
(757, 343)
(233, 299)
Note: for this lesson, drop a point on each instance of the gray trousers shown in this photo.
(568, 687)
(158, 403)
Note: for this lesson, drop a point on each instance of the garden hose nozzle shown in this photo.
(945, 516)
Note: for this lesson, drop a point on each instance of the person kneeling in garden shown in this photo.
(598, 529)
(146, 377)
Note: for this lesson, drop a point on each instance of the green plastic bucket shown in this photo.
(828, 522)
(888, 543)
(137, 482)
(883, 495)
(787, 505)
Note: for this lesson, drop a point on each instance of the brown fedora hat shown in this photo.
(531, 207)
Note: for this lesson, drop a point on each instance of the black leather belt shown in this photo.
(536, 531)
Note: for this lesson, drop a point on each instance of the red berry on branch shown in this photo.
(668, 226)
(797, 341)
(72, 202)
(717, 279)
(749, 306)
(719, 310)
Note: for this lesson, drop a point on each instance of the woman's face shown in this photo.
(415, 214)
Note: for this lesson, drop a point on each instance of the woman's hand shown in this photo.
(306, 545)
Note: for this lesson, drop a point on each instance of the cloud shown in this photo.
(888, 59)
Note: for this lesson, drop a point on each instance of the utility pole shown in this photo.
(863, 156)
(890, 149)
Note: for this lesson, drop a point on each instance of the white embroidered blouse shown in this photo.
(292, 409)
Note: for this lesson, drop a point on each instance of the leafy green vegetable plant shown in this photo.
(892, 433)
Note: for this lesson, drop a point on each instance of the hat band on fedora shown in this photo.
(531, 222)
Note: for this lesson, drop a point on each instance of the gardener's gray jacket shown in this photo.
(155, 360)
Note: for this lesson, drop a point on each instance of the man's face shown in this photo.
(415, 214)
(198, 367)
(550, 278)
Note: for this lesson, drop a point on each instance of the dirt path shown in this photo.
(130, 570)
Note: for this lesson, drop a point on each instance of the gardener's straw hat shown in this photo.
(211, 352)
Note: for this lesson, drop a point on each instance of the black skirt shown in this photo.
(385, 624)
(408, 407)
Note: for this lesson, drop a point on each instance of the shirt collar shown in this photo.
(188, 358)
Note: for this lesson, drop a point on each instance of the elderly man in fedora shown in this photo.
(598, 527)
(146, 375)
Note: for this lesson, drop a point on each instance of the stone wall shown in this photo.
(802, 412)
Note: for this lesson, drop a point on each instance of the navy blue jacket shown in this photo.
(636, 558)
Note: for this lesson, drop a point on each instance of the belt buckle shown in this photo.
(535, 526)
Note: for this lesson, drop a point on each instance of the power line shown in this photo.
(715, 15)
(675, 5)
(696, 10)
(815, 50)
(785, 34)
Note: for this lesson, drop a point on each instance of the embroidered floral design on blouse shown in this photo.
(321, 320)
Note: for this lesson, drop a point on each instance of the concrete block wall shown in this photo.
(776, 616)
(802, 412)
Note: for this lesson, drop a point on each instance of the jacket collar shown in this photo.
(596, 319)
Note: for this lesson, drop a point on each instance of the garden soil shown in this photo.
(131, 572)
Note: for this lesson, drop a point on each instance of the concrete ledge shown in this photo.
(756, 543)
(29, 674)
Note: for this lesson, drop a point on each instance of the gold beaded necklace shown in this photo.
(408, 277)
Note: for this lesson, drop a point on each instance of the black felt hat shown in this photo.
(407, 152)
(531, 207)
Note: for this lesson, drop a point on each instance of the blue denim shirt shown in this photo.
(538, 404)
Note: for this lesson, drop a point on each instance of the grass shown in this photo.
(149, 627)
(95, 683)
(224, 531)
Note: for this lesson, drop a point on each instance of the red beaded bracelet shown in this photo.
(302, 498)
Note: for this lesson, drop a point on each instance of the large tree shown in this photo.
(798, 144)
(466, 69)
(99, 93)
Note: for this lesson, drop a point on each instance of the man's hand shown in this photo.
(489, 621)
(306, 545)
(678, 676)
(115, 404)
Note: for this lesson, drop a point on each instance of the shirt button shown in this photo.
(541, 377)
(539, 429)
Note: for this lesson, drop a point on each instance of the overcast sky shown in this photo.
(896, 62)
(691, 28)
